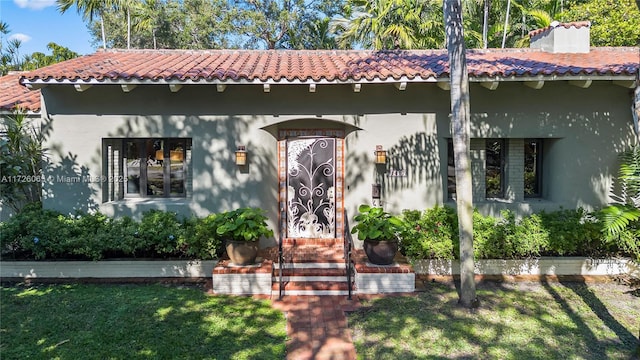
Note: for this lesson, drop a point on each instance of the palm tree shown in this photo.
(461, 129)
(145, 14)
(390, 24)
(89, 9)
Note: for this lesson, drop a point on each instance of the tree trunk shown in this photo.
(636, 111)
(485, 25)
(506, 24)
(128, 29)
(104, 37)
(461, 128)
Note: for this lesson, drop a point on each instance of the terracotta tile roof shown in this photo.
(328, 66)
(13, 94)
(575, 24)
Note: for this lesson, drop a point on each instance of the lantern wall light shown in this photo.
(380, 155)
(241, 156)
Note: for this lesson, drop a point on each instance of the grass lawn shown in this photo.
(135, 322)
(514, 321)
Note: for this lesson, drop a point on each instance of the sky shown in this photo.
(38, 22)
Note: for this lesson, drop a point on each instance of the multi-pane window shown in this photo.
(532, 168)
(497, 159)
(147, 167)
(495, 168)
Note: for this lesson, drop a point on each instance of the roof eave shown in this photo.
(39, 83)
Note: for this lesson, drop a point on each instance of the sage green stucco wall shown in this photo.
(584, 129)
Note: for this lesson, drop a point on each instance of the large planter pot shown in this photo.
(242, 252)
(380, 252)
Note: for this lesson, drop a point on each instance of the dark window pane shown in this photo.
(155, 157)
(532, 167)
(155, 167)
(132, 167)
(177, 151)
(451, 170)
(495, 168)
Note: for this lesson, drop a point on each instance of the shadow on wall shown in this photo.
(75, 181)
(413, 160)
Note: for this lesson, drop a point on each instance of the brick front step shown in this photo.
(312, 285)
(307, 278)
(296, 271)
(313, 267)
(306, 288)
(326, 277)
(313, 253)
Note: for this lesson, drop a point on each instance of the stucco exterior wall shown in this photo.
(583, 131)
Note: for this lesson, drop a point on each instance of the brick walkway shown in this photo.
(317, 327)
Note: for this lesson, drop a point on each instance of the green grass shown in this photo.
(515, 321)
(135, 322)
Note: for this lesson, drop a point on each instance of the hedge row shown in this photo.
(45, 234)
(433, 233)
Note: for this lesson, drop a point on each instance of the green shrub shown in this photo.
(486, 238)
(121, 238)
(202, 241)
(161, 232)
(516, 238)
(626, 241)
(433, 234)
(35, 233)
(83, 237)
(530, 237)
(572, 232)
(429, 234)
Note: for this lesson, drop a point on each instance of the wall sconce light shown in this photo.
(241, 156)
(380, 155)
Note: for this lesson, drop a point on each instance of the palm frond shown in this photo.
(541, 18)
(616, 218)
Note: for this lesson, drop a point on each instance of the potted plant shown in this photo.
(241, 230)
(379, 231)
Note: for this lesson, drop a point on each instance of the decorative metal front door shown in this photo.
(311, 195)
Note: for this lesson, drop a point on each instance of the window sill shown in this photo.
(180, 200)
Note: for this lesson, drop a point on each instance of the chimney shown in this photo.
(562, 37)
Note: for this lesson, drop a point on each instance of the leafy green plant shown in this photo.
(518, 238)
(243, 224)
(623, 215)
(120, 238)
(21, 154)
(35, 233)
(203, 240)
(82, 239)
(373, 223)
(429, 234)
(486, 243)
(433, 234)
(161, 231)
